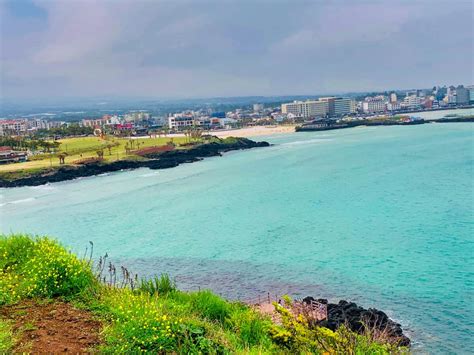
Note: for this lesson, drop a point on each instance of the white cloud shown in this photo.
(175, 48)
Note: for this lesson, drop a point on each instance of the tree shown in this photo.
(100, 153)
(62, 157)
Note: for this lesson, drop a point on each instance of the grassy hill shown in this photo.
(51, 300)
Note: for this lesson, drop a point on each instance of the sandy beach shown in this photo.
(246, 132)
(254, 131)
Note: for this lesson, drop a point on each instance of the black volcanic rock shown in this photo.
(358, 318)
(164, 160)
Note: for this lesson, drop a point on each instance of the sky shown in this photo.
(175, 48)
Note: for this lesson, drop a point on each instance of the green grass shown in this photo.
(153, 315)
(86, 147)
(158, 285)
(6, 337)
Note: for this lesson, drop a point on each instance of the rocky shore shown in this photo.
(358, 319)
(153, 161)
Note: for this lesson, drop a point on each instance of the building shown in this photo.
(136, 116)
(343, 106)
(258, 107)
(441, 93)
(338, 106)
(8, 155)
(393, 97)
(37, 124)
(110, 120)
(93, 122)
(306, 109)
(180, 121)
(412, 101)
(462, 95)
(13, 127)
(374, 104)
(450, 99)
(471, 94)
(394, 106)
(427, 103)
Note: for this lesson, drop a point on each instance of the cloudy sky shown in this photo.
(175, 48)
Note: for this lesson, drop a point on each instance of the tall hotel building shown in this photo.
(306, 109)
(323, 107)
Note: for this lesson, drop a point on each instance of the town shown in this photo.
(310, 114)
(141, 122)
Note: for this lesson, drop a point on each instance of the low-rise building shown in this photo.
(412, 101)
(13, 127)
(180, 121)
(8, 155)
(374, 104)
(394, 106)
(98, 122)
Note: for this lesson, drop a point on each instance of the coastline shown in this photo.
(255, 131)
(112, 298)
(163, 160)
(324, 126)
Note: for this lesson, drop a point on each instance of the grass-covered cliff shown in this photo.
(51, 300)
(159, 157)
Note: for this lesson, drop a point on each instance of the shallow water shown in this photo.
(379, 215)
(433, 115)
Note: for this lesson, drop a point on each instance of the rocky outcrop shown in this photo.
(164, 160)
(358, 319)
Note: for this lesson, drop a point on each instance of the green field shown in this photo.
(87, 147)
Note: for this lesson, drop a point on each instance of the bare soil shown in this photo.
(52, 327)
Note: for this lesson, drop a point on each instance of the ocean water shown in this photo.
(379, 215)
(433, 115)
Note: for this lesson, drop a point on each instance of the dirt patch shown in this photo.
(52, 327)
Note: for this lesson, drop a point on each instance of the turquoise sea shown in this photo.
(382, 216)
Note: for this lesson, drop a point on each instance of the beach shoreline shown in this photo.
(255, 131)
(246, 132)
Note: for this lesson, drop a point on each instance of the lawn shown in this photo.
(86, 147)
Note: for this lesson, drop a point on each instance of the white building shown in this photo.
(37, 124)
(306, 109)
(393, 97)
(343, 106)
(394, 106)
(412, 101)
(374, 104)
(180, 121)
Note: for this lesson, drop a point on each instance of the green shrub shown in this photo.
(141, 322)
(158, 285)
(210, 306)
(40, 267)
(251, 327)
(296, 335)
